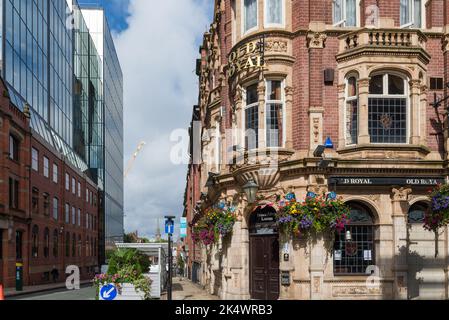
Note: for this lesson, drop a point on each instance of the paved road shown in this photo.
(85, 293)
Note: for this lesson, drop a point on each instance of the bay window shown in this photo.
(351, 111)
(250, 14)
(274, 114)
(345, 13)
(412, 13)
(388, 109)
(252, 118)
(274, 12)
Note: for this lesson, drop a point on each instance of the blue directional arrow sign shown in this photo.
(108, 292)
(169, 227)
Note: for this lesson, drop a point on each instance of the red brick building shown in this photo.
(281, 78)
(50, 221)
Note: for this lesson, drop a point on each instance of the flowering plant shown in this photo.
(315, 213)
(217, 222)
(438, 215)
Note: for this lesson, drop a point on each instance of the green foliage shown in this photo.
(127, 266)
(128, 257)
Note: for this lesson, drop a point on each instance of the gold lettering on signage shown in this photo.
(244, 58)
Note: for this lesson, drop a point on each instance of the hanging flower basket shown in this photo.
(217, 222)
(318, 214)
(438, 214)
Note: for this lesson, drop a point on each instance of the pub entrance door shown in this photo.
(264, 255)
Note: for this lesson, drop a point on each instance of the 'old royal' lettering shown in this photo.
(244, 58)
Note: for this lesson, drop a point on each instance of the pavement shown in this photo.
(184, 289)
(11, 292)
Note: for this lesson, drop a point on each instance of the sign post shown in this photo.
(169, 230)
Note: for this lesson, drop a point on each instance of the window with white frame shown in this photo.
(388, 108)
(274, 114)
(345, 13)
(412, 13)
(274, 12)
(351, 110)
(46, 167)
(73, 215)
(35, 159)
(250, 15)
(55, 173)
(251, 115)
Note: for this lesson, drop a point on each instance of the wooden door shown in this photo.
(264, 267)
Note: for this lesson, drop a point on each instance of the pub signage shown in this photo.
(364, 181)
(245, 57)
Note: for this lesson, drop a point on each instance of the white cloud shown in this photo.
(158, 53)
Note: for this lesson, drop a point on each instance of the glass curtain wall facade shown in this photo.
(113, 123)
(88, 100)
(37, 65)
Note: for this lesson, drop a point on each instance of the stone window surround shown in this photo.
(416, 95)
(287, 93)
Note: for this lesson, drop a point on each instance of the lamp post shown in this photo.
(251, 189)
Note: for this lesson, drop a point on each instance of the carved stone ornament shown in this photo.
(401, 194)
(276, 45)
(316, 40)
(445, 42)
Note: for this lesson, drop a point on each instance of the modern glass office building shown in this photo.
(61, 60)
(113, 115)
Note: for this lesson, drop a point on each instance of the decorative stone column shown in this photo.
(364, 137)
(289, 117)
(423, 115)
(400, 242)
(415, 99)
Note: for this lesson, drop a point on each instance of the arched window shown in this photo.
(55, 243)
(417, 212)
(352, 110)
(354, 248)
(67, 245)
(388, 108)
(46, 243)
(35, 242)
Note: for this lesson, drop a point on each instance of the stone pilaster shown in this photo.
(363, 129)
(316, 127)
(400, 240)
(415, 96)
(289, 117)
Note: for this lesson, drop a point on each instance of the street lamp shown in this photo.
(251, 189)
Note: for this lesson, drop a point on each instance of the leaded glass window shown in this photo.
(388, 109)
(417, 213)
(354, 248)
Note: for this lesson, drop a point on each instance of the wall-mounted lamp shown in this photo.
(251, 189)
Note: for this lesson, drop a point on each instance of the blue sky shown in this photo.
(116, 11)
